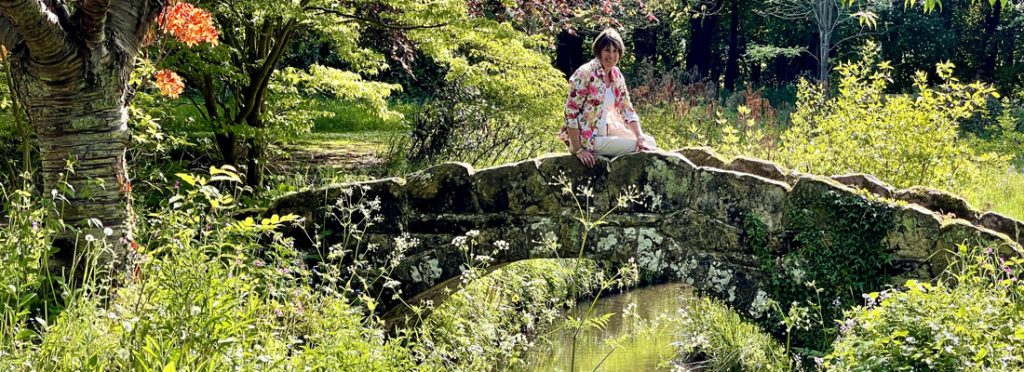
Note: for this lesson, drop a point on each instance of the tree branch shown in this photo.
(8, 37)
(129, 21)
(259, 82)
(375, 22)
(93, 17)
(40, 29)
(59, 8)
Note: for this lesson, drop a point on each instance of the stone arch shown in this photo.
(694, 225)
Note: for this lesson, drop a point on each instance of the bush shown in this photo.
(494, 320)
(468, 124)
(903, 139)
(974, 321)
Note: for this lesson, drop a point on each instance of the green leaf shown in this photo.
(187, 178)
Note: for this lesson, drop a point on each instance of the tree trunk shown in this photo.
(702, 38)
(82, 128)
(228, 145)
(569, 53)
(990, 43)
(824, 47)
(732, 64)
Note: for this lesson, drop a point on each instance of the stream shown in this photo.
(644, 340)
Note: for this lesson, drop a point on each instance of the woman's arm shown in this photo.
(574, 112)
(585, 155)
(632, 118)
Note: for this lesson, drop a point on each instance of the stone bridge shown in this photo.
(702, 220)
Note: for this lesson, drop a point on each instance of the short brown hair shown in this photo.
(608, 37)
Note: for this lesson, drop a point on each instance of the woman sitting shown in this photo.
(599, 117)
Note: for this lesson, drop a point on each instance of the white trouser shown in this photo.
(612, 146)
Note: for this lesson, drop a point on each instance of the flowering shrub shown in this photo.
(976, 323)
(189, 24)
(170, 83)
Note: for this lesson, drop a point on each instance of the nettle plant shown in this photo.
(903, 139)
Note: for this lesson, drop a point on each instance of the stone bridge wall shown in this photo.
(693, 225)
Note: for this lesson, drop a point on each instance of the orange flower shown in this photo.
(188, 24)
(170, 83)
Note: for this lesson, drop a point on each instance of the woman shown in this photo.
(599, 118)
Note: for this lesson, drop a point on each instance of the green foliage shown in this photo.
(930, 5)
(971, 322)
(494, 320)
(905, 140)
(828, 266)
(1002, 191)
(25, 249)
(713, 336)
(193, 297)
(499, 102)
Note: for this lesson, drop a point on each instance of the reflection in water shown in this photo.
(627, 343)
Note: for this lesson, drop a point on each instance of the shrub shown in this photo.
(973, 321)
(903, 139)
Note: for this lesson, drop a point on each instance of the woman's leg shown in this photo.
(651, 144)
(612, 146)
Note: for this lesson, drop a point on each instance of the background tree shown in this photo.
(826, 17)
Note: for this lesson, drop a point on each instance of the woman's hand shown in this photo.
(641, 144)
(586, 157)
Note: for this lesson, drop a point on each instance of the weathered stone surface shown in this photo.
(517, 188)
(693, 227)
(997, 222)
(731, 196)
(867, 182)
(569, 168)
(758, 167)
(913, 238)
(663, 180)
(698, 230)
(955, 232)
(703, 157)
(938, 201)
(444, 188)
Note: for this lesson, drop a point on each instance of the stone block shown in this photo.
(444, 188)
(867, 182)
(588, 185)
(939, 201)
(703, 157)
(516, 188)
(758, 167)
(915, 232)
(731, 196)
(661, 180)
(1006, 225)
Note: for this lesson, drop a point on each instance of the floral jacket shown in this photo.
(584, 107)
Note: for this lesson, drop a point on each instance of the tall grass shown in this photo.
(714, 337)
(1001, 191)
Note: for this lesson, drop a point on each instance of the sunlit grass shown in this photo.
(349, 117)
(1000, 190)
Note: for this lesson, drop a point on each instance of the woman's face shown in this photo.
(609, 56)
